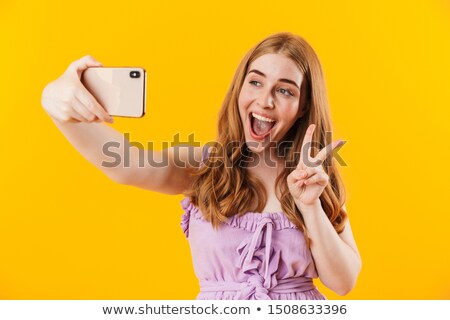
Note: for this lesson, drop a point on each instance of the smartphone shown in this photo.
(120, 90)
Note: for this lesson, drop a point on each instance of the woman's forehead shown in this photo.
(275, 65)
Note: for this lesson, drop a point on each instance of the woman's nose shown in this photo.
(265, 100)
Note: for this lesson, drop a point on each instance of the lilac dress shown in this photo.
(252, 257)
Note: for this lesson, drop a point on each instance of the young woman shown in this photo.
(264, 211)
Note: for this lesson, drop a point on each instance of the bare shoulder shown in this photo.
(182, 159)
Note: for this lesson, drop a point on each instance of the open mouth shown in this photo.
(260, 126)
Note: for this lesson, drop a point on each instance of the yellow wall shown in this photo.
(67, 232)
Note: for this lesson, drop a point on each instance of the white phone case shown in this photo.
(120, 90)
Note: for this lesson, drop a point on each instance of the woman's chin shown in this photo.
(258, 146)
(255, 147)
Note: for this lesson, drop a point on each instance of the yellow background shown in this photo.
(67, 232)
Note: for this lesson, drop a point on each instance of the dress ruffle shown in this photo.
(256, 257)
(249, 221)
(189, 211)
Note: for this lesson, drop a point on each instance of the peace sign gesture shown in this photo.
(308, 180)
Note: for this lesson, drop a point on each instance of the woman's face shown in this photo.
(269, 100)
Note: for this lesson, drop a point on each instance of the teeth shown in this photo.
(257, 116)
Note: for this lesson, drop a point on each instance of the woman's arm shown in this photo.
(77, 114)
(336, 257)
(108, 150)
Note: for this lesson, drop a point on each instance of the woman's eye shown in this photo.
(284, 92)
(288, 92)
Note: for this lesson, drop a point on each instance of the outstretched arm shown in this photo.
(79, 117)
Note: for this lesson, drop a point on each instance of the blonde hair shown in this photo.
(222, 191)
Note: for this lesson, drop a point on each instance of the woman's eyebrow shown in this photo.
(281, 80)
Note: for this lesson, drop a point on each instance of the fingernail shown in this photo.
(111, 120)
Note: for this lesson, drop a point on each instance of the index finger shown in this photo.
(306, 145)
(87, 99)
(327, 150)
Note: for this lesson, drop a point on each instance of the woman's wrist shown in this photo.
(310, 208)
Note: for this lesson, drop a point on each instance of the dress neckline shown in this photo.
(249, 220)
(265, 212)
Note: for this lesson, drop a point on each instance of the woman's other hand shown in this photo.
(307, 182)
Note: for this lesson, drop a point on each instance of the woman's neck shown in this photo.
(266, 160)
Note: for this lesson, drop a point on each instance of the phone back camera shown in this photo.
(135, 74)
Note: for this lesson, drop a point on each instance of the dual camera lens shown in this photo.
(135, 74)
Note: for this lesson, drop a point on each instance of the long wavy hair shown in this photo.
(224, 187)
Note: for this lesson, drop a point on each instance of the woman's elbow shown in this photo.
(347, 286)
(344, 290)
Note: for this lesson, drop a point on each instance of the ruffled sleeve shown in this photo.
(190, 212)
(187, 207)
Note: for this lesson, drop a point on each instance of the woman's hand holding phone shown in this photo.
(68, 101)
